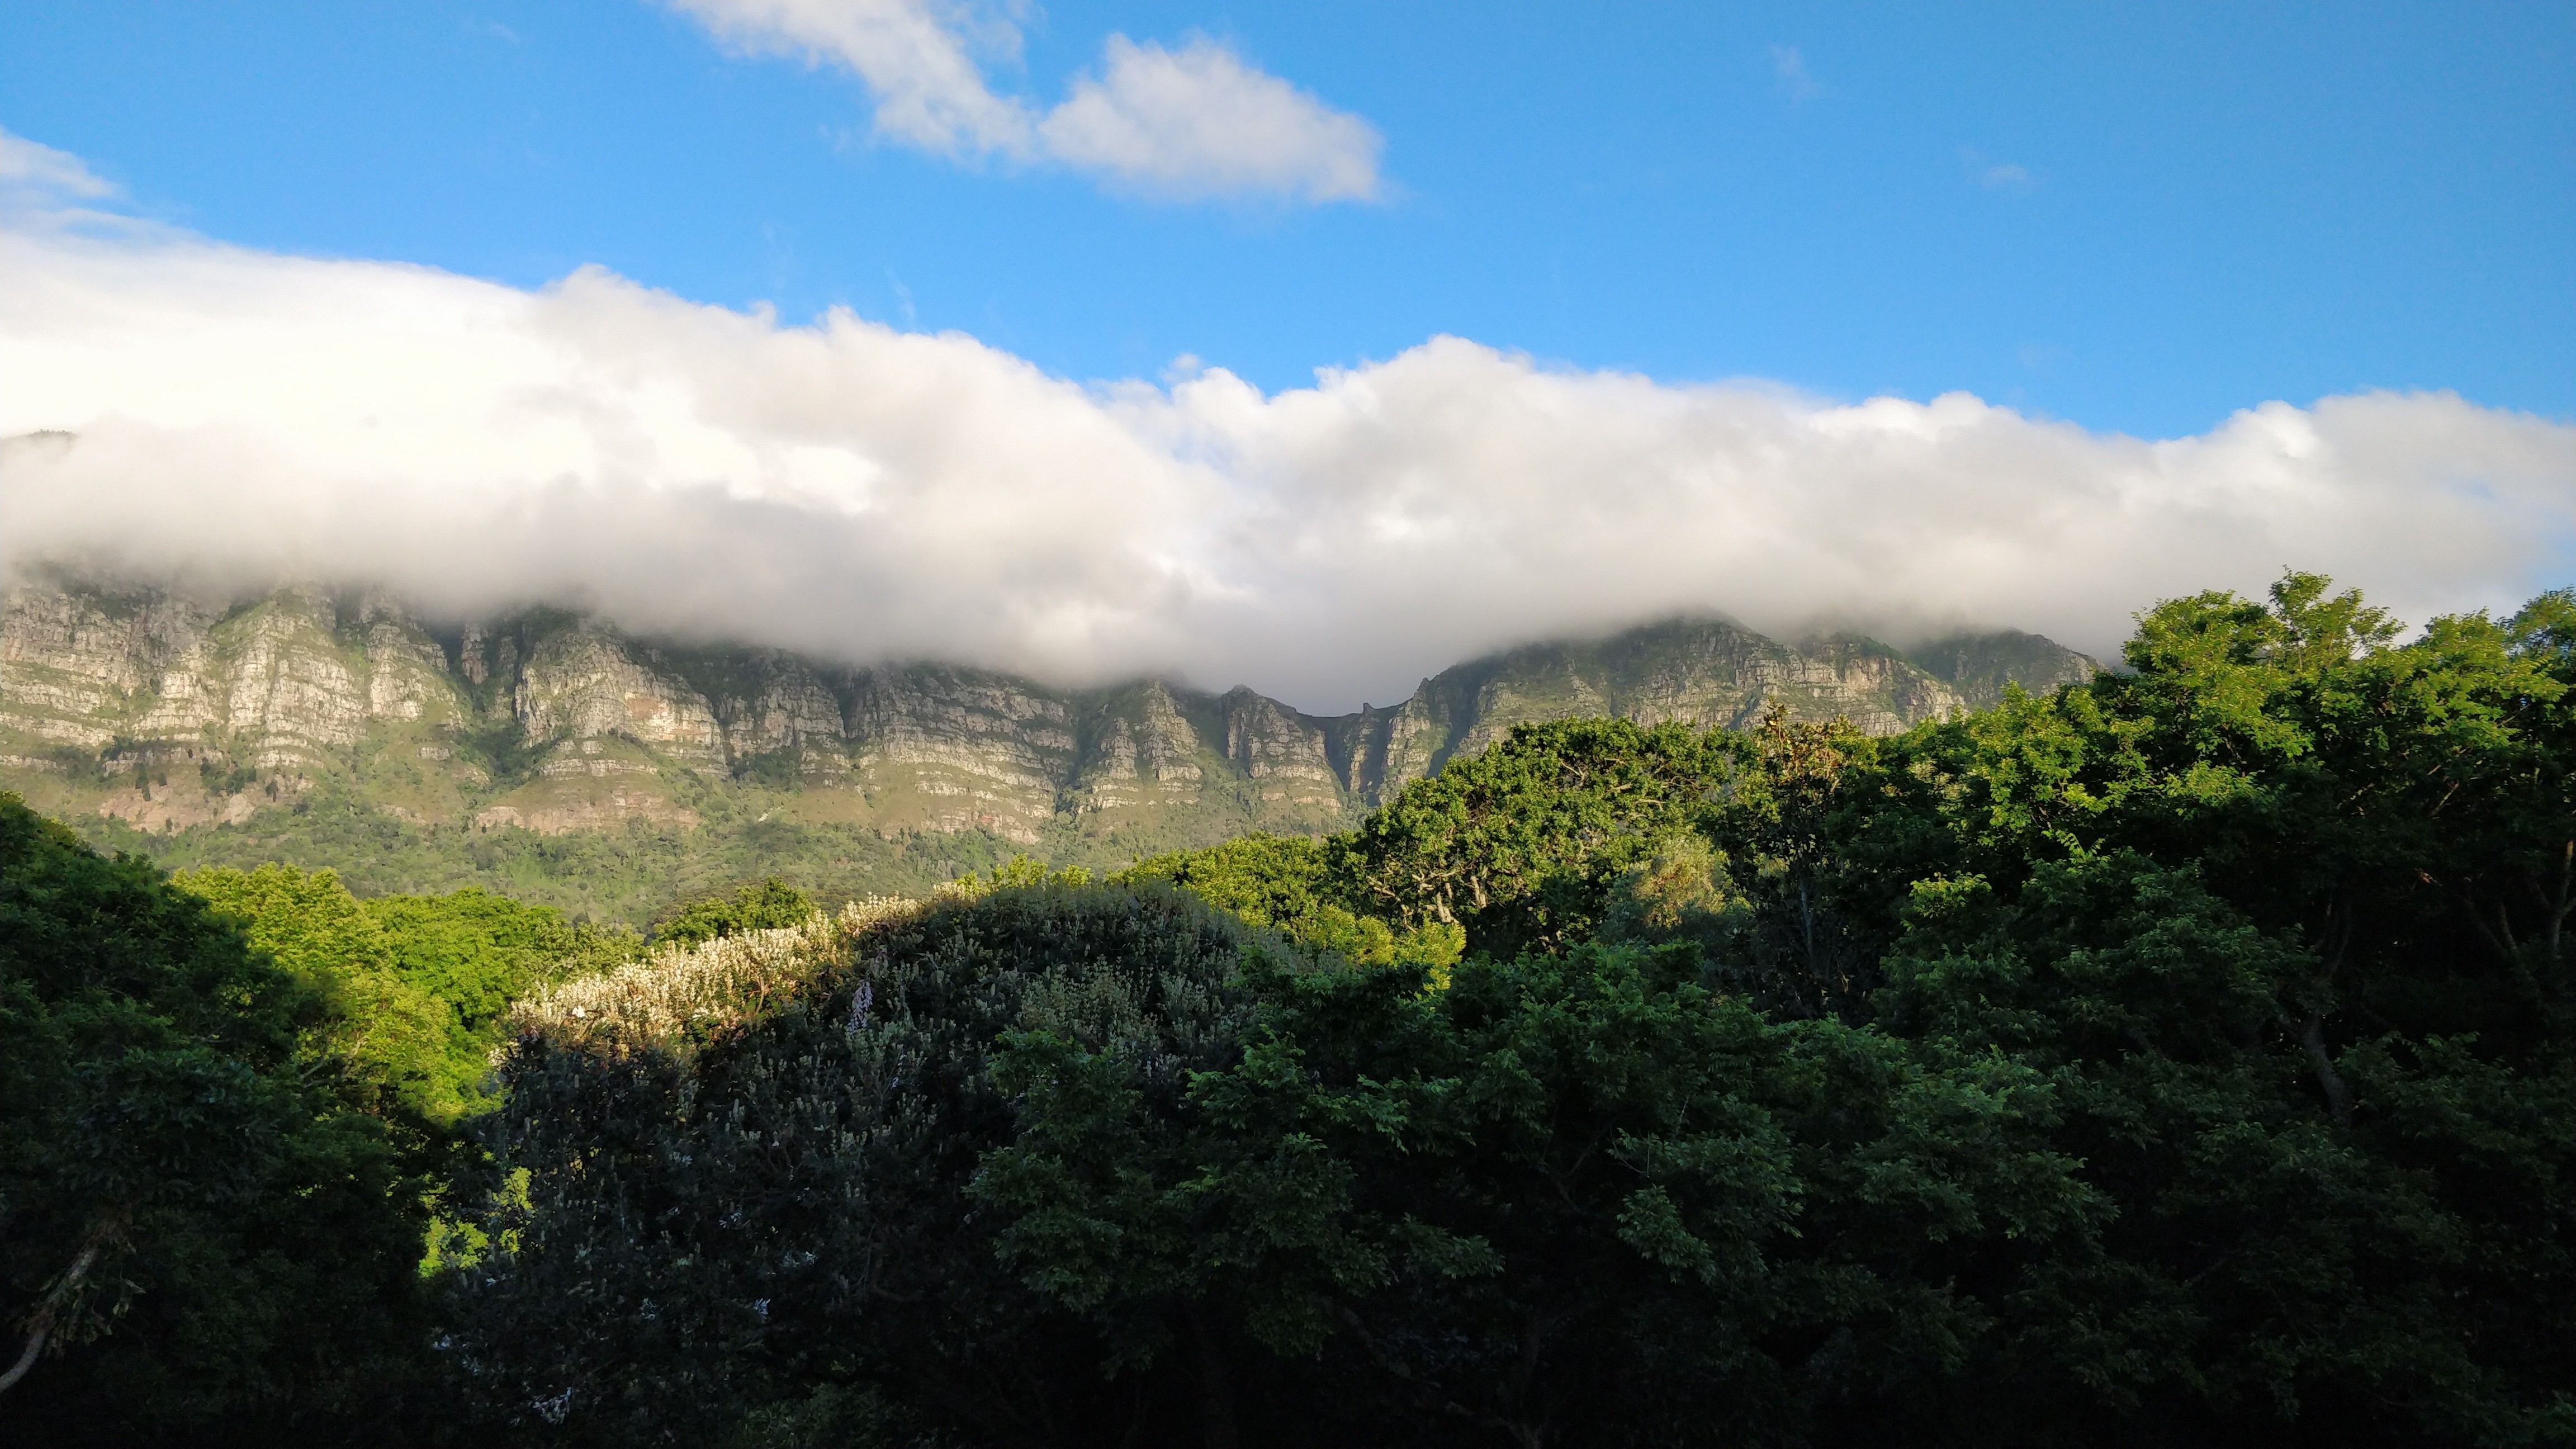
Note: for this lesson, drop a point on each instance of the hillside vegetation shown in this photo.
(2182, 1056)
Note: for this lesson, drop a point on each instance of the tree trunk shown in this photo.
(2338, 1093)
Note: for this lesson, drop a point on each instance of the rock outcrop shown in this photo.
(1707, 672)
(175, 712)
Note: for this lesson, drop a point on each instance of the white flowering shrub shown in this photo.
(683, 992)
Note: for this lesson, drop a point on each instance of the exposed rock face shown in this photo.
(583, 683)
(288, 693)
(1283, 752)
(71, 666)
(173, 712)
(1705, 672)
(281, 684)
(960, 749)
(793, 711)
(407, 675)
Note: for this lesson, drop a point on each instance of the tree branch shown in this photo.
(40, 1324)
(26, 1360)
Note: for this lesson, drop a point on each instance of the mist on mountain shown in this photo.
(852, 491)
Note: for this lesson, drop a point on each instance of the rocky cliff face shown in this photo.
(174, 713)
(1705, 672)
(1980, 666)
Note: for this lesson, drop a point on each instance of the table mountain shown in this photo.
(204, 721)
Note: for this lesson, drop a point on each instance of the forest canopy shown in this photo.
(2184, 1057)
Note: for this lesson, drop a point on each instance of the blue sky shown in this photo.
(2136, 218)
(1310, 347)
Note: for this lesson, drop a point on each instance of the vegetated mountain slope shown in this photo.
(551, 755)
(1978, 666)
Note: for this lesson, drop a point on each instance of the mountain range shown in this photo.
(216, 729)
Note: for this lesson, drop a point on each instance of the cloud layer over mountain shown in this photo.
(849, 489)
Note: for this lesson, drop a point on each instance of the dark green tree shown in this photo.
(761, 906)
(778, 1215)
(207, 1238)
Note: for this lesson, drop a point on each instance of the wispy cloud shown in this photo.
(45, 190)
(1789, 68)
(38, 173)
(860, 491)
(1195, 122)
(2039, 356)
(1995, 175)
(929, 90)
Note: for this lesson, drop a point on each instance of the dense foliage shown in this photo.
(764, 905)
(650, 1292)
(207, 1235)
(416, 984)
(2182, 1058)
(1291, 883)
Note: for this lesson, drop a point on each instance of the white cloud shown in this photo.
(853, 490)
(913, 55)
(1199, 121)
(1196, 122)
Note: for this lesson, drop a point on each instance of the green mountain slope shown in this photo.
(1978, 666)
